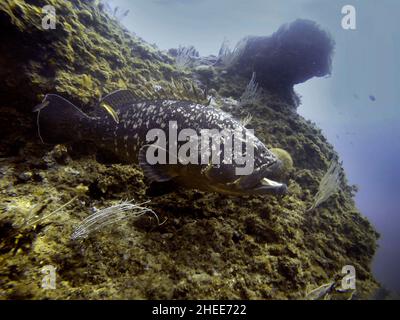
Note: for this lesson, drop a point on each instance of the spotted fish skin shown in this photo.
(126, 138)
(60, 122)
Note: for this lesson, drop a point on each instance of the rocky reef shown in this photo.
(210, 245)
(294, 54)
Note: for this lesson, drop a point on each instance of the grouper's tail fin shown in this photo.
(59, 121)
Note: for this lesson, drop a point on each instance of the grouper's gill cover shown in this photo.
(120, 124)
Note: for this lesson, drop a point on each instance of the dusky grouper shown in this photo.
(120, 125)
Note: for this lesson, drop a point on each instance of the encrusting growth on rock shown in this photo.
(211, 245)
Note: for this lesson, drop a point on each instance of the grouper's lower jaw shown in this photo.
(266, 186)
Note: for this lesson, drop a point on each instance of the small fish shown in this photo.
(121, 122)
(331, 291)
(321, 292)
(372, 98)
(110, 110)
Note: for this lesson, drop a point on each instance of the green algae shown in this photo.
(285, 158)
(211, 246)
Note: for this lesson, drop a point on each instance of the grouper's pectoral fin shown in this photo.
(219, 173)
(155, 172)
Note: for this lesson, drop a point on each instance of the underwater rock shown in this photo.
(210, 246)
(25, 176)
(294, 54)
(205, 74)
(60, 154)
(286, 159)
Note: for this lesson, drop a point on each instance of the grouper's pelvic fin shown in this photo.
(59, 121)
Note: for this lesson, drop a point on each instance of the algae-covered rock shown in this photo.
(294, 54)
(208, 245)
(285, 158)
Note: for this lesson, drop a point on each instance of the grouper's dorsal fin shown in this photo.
(118, 98)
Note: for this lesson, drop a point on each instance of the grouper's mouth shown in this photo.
(266, 185)
(261, 181)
